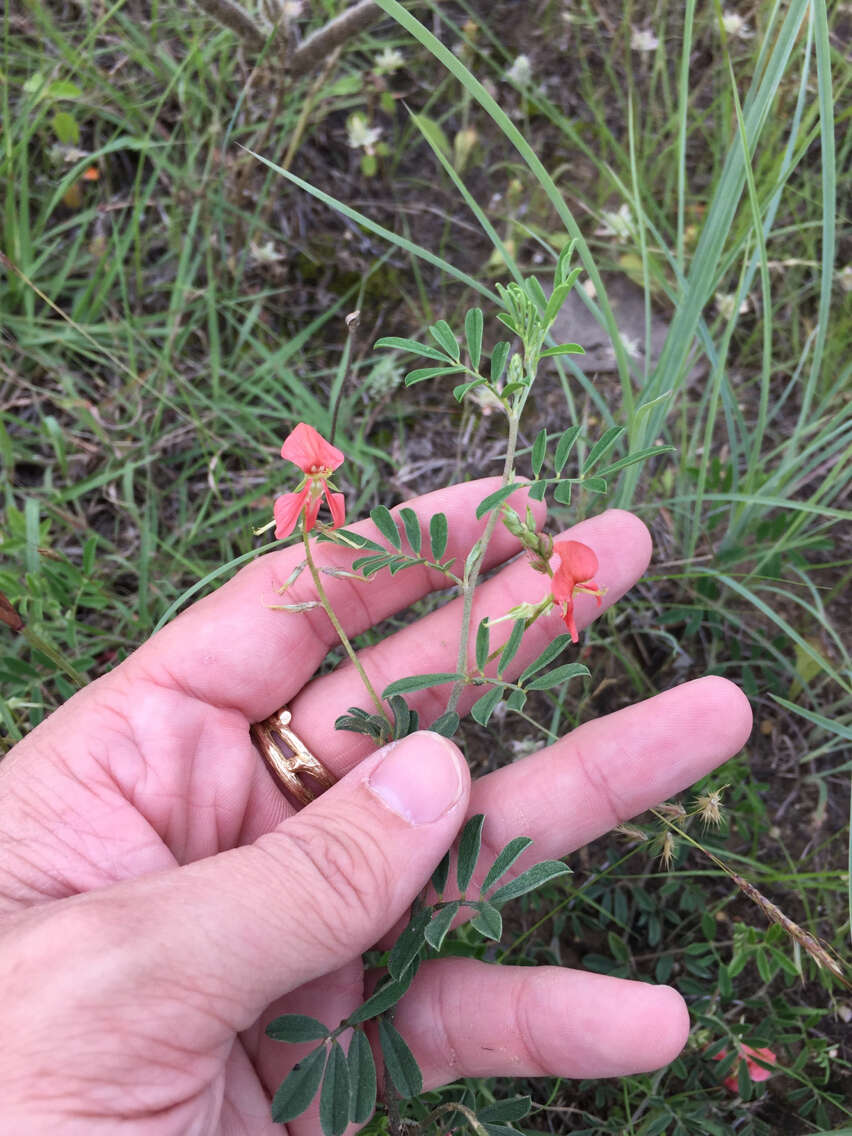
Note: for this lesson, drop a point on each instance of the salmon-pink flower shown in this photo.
(577, 565)
(317, 459)
(756, 1072)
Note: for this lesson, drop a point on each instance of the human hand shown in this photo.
(160, 903)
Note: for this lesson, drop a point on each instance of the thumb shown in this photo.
(236, 931)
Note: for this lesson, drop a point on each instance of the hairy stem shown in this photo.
(472, 575)
(456, 1106)
(319, 44)
(338, 627)
(315, 49)
(391, 1099)
(231, 15)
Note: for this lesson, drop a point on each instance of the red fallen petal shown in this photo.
(576, 559)
(337, 505)
(286, 511)
(730, 1082)
(309, 450)
(757, 1072)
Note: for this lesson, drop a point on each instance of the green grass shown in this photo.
(151, 363)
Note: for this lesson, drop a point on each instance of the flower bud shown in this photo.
(513, 522)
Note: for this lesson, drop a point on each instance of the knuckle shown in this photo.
(596, 775)
(527, 1026)
(342, 873)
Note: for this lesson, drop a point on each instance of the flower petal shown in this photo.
(286, 510)
(309, 450)
(562, 586)
(314, 502)
(568, 620)
(337, 505)
(755, 1071)
(576, 559)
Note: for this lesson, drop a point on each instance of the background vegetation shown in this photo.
(171, 305)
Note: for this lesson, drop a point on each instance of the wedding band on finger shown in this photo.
(290, 761)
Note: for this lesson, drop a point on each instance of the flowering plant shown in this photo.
(401, 542)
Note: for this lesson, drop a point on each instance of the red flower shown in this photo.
(577, 566)
(756, 1072)
(317, 459)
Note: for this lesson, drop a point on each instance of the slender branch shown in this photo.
(336, 624)
(472, 576)
(38, 644)
(391, 1095)
(822, 953)
(468, 1113)
(315, 49)
(253, 33)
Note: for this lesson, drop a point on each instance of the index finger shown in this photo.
(234, 651)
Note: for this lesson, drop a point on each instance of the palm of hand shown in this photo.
(168, 781)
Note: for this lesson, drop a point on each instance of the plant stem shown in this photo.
(38, 644)
(391, 1102)
(336, 624)
(315, 48)
(471, 575)
(456, 1106)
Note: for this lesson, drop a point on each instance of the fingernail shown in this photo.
(419, 778)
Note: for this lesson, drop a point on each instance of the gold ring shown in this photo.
(294, 763)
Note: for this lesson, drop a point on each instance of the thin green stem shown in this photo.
(43, 647)
(471, 574)
(336, 624)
